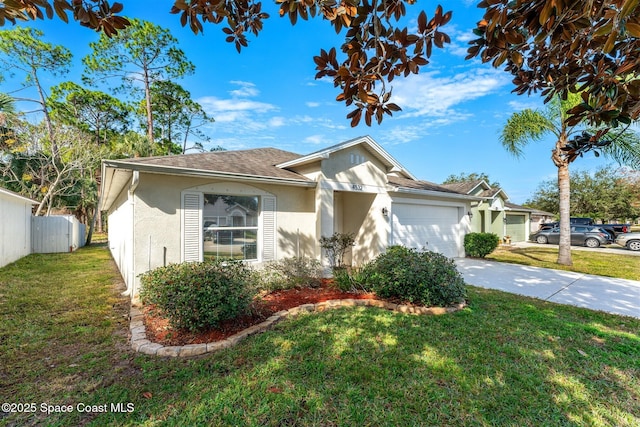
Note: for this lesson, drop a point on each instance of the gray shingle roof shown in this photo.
(420, 185)
(254, 162)
(463, 187)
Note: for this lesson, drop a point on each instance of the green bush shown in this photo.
(287, 273)
(355, 279)
(201, 295)
(425, 278)
(479, 245)
(336, 247)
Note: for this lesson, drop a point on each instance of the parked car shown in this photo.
(629, 240)
(612, 229)
(583, 235)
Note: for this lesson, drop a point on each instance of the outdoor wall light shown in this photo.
(385, 212)
(470, 214)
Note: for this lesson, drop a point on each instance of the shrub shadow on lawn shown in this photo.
(487, 365)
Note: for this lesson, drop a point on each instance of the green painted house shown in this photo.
(494, 213)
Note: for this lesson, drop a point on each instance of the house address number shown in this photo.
(356, 187)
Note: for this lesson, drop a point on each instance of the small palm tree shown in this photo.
(7, 106)
(528, 126)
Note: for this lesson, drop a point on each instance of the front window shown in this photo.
(230, 226)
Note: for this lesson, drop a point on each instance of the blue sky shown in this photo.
(267, 96)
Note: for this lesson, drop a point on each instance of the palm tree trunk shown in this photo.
(564, 187)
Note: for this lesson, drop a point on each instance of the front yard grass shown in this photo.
(504, 360)
(589, 262)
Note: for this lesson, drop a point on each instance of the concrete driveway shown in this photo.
(618, 296)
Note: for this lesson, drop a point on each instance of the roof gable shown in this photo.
(478, 188)
(392, 165)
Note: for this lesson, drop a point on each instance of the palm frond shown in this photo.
(7, 103)
(624, 148)
(523, 128)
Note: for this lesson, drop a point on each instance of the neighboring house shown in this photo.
(539, 217)
(266, 204)
(493, 213)
(15, 226)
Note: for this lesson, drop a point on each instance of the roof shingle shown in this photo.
(255, 162)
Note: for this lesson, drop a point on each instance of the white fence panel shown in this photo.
(54, 234)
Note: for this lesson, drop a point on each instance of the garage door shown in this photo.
(435, 228)
(515, 228)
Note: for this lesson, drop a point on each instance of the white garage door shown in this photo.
(435, 228)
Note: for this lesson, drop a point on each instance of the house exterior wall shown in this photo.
(145, 227)
(15, 228)
(121, 242)
(351, 192)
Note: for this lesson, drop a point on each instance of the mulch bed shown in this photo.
(159, 331)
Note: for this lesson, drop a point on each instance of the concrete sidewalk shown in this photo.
(618, 296)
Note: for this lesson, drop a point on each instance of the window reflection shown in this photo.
(230, 226)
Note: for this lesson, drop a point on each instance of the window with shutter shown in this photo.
(227, 224)
(191, 227)
(268, 228)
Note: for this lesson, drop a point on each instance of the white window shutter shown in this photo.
(269, 231)
(192, 226)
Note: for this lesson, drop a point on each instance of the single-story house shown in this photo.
(493, 213)
(539, 217)
(15, 226)
(266, 204)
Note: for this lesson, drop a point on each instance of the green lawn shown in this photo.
(504, 360)
(590, 262)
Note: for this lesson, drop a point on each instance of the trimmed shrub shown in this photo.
(425, 278)
(196, 296)
(479, 245)
(295, 272)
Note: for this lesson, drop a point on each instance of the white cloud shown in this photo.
(429, 94)
(247, 89)
(276, 122)
(315, 139)
(233, 110)
(312, 104)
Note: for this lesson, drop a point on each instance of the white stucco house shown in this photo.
(266, 204)
(15, 226)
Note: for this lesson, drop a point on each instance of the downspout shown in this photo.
(135, 180)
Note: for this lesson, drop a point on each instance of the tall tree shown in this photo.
(178, 118)
(100, 115)
(377, 46)
(528, 126)
(605, 194)
(140, 54)
(21, 50)
(92, 111)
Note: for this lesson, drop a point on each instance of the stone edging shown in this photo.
(140, 343)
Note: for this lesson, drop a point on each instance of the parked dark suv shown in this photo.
(581, 235)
